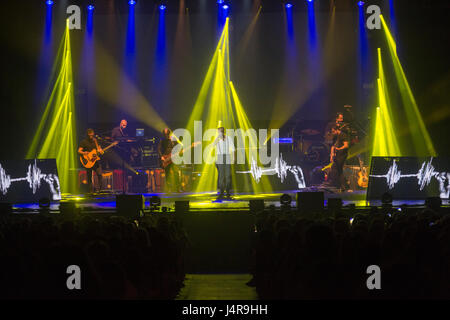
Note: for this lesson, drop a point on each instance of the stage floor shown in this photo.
(207, 201)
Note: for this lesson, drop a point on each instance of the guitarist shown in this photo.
(330, 134)
(171, 170)
(87, 145)
(338, 156)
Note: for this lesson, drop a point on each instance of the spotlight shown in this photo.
(90, 7)
(285, 200)
(49, 2)
(220, 1)
(288, 5)
(309, 0)
(360, 3)
(132, 2)
(225, 6)
(162, 7)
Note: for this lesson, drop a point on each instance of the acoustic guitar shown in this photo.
(88, 160)
(363, 179)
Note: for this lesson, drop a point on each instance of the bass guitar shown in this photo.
(88, 160)
(167, 158)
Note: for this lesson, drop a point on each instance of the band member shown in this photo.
(338, 156)
(87, 145)
(171, 170)
(119, 132)
(130, 153)
(224, 148)
(330, 134)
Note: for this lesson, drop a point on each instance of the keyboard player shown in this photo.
(128, 152)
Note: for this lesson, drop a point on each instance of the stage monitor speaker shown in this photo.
(130, 205)
(256, 205)
(181, 206)
(310, 201)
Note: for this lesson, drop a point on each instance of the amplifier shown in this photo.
(150, 157)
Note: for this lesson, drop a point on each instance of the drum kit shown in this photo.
(310, 145)
(314, 147)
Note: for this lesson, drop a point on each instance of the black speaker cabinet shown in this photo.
(130, 205)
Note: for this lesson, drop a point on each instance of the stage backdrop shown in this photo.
(29, 180)
(409, 177)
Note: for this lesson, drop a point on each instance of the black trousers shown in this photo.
(224, 170)
(96, 169)
(337, 178)
(172, 173)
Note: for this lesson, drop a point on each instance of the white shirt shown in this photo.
(224, 146)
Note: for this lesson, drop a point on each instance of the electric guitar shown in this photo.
(88, 160)
(330, 135)
(167, 158)
(363, 179)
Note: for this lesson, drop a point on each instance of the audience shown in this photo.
(315, 255)
(325, 255)
(118, 258)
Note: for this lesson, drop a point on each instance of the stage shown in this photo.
(206, 202)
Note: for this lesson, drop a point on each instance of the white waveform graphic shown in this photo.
(281, 169)
(34, 177)
(423, 176)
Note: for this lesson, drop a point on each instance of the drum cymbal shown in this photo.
(309, 132)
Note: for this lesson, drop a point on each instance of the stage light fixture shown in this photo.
(44, 203)
(288, 5)
(225, 6)
(360, 3)
(132, 2)
(309, 0)
(162, 7)
(49, 2)
(90, 7)
(285, 200)
(220, 1)
(155, 202)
